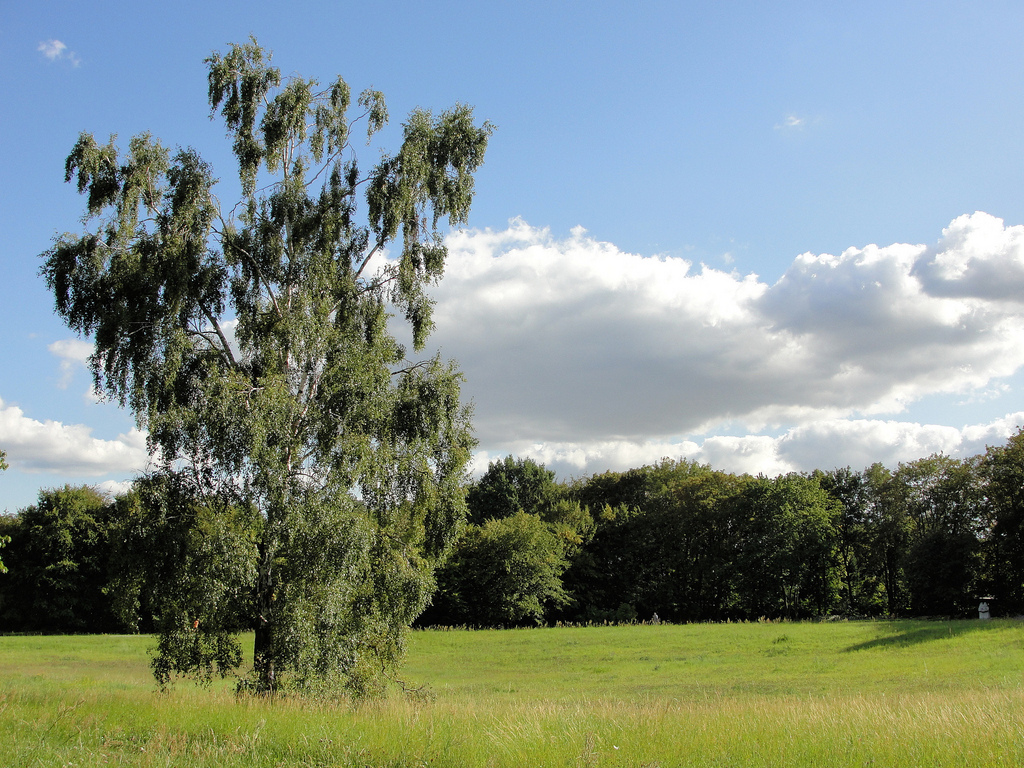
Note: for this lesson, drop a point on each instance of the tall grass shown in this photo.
(846, 694)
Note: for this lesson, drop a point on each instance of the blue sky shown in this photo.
(768, 237)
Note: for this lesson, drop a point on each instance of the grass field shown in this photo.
(838, 694)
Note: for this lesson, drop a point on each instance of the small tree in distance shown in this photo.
(252, 341)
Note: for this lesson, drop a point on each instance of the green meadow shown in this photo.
(905, 693)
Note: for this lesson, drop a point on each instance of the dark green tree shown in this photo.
(511, 485)
(890, 531)
(4, 540)
(1002, 476)
(787, 565)
(621, 570)
(252, 341)
(505, 572)
(946, 509)
(862, 563)
(59, 564)
(690, 571)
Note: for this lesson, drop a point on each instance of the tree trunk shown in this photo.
(263, 647)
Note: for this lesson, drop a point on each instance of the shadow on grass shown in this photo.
(916, 634)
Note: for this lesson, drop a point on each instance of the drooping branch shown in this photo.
(260, 277)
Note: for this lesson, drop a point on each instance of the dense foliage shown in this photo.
(58, 564)
(252, 342)
(687, 543)
(676, 539)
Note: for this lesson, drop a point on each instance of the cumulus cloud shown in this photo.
(575, 340)
(977, 258)
(55, 50)
(589, 358)
(828, 444)
(858, 443)
(572, 342)
(50, 446)
(976, 438)
(578, 459)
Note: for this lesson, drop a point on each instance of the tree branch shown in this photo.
(366, 261)
(259, 276)
(226, 348)
(414, 367)
(325, 165)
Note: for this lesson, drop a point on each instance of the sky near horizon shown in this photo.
(768, 238)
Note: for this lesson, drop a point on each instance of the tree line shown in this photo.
(677, 540)
(684, 542)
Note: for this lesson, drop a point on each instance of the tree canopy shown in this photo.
(58, 560)
(252, 341)
(508, 486)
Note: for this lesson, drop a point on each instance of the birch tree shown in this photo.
(251, 339)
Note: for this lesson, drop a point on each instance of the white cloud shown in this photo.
(566, 341)
(578, 459)
(751, 454)
(791, 123)
(828, 444)
(978, 257)
(975, 439)
(113, 488)
(858, 443)
(55, 50)
(588, 358)
(72, 353)
(573, 339)
(52, 49)
(72, 350)
(50, 446)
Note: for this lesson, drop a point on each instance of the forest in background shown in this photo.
(674, 541)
